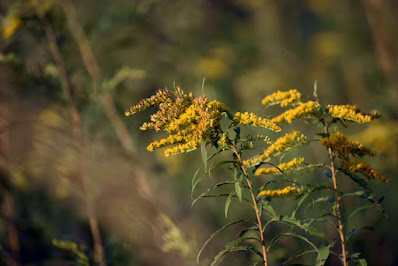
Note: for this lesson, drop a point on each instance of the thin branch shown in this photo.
(337, 198)
(99, 256)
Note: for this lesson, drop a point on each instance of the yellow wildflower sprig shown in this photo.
(188, 120)
(351, 112)
(355, 166)
(301, 111)
(340, 145)
(283, 98)
(250, 118)
(282, 144)
(281, 193)
(284, 167)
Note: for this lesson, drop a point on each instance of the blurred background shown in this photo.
(75, 171)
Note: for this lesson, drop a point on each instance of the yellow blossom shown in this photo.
(250, 118)
(282, 193)
(283, 98)
(284, 167)
(282, 144)
(188, 120)
(302, 110)
(223, 141)
(350, 112)
(10, 24)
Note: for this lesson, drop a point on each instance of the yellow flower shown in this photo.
(188, 120)
(250, 118)
(223, 142)
(283, 98)
(284, 167)
(282, 144)
(350, 112)
(303, 110)
(10, 24)
(282, 193)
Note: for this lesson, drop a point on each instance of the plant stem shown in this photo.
(337, 198)
(99, 255)
(260, 227)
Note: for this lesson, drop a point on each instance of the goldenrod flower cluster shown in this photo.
(350, 112)
(282, 144)
(302, 110)
(346, 150)
(355, 166)
(340, 145)
(284, 167)
(223, 141)
(281, 193)
(250, 118)
(10, 24)
(187, 119)
(283, 98)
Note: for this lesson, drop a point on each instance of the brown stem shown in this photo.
(337, 198)
(94, 71)
(7, 205)
(249, 183)
(99, 256)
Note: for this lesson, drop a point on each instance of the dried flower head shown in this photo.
(355, 166)
(283, 98)
(187, 119)
(281, 193)
(282, 144)
(342, 147)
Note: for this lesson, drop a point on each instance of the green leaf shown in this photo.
(304, 226)
(204, 154)
(357, 210)
(220, 163)
(355, 230)
(215, 233)
(363, 262)
(277, 237)
(316, 90)
(270, 210)
(323, 255)
(239, 240)
(203, 86)
(238, 191)
(234, 249)
(194, 181)
(228, 202)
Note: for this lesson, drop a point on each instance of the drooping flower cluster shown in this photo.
(351, 112)
(250, 118)
(281, 168)
(284, 98)
(302, 110)
(281, 193)
(282, 144)
(347, 150)
(187, 119)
